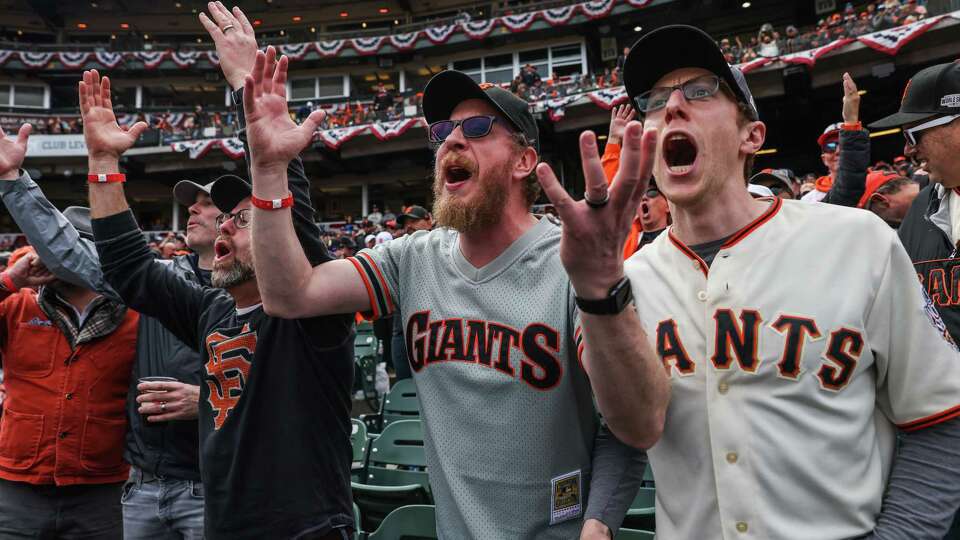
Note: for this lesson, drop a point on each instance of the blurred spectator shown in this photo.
(375, 216)
(370, 240)
(415, 218)
(382, 101)
(890, 196)
(530, 76)
(768, 47)
(780, 182)
(304, 111)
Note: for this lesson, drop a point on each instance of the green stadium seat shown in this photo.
(634, 534)
(396, 473)
(356, 522)
(366, 355)
(415, 522)
(648, 476)
(642, 511)
(360, 443)
(401, 403)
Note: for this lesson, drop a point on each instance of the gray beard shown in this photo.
(237, 274)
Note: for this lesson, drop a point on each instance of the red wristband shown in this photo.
(272, 204)
(853, 127)
(106, 178)
(8, 282)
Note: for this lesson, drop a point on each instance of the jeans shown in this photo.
(161, 508)
(84, 511)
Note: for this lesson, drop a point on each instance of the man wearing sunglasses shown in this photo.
(788, 384)
(507, 351)
(930, 118)
(845, 152)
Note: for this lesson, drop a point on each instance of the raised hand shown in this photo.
(236, 43)
(13, 152)
(105, 138)
(619, 116)
(275, 139)
(592, 243)
(29, 271)
(851, 100)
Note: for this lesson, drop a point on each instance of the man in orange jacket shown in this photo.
(653, 214)
(67, 358)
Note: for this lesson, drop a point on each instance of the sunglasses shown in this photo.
(656, 98)
(912, 135)
(830, 147)
(652, 193)
(473, 127)
(241, 219)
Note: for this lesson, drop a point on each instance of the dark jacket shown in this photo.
(168, 448)
(925, 234)
(851, 180)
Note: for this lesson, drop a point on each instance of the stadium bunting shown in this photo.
(887, 41)
(389, 130)
(73, 60)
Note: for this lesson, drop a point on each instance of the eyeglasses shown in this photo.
(698, 88)
(830, 147)
(473, 127)
(912, 135)
(241, 219)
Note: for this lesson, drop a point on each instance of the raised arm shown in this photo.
(143, 283)
(290, 286)
(628, 380)
(850, 183)
(70, 257)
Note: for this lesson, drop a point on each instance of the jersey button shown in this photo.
(702, 296)
(731, 457)
(723, 388)
(742, 526)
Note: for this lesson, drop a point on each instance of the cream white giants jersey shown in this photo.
(793, 358)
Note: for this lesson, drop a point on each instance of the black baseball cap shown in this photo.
(185, 191)
(414, 212)
(448, 89)
(933, 91)
(228, 190)
(679, 46)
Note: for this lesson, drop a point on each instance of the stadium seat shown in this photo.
(366, 354)
(401, 403)
(634, 534)
(356, 522)
(396, 473)
(360, 443)
(641, 514)
(648, 476)
(414, 522)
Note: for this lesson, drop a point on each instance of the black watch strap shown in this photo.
(620, 295)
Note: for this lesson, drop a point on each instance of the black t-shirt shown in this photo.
(708, 250)
(275, 398)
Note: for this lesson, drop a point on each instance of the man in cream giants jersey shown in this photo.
(513, 442)
(796, 337)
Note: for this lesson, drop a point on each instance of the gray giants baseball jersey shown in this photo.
(509, 421)
(793, 358)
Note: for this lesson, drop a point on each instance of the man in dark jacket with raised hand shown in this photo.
(275, 393)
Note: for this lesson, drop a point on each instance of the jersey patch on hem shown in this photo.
(566, 501)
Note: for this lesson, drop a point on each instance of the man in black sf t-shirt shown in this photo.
(275, 393)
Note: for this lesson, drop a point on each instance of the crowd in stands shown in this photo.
(770, 42)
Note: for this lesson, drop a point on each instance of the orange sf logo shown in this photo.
(227, 368)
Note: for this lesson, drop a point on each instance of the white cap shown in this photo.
(759, 191)
(368, 238)
(383, 236)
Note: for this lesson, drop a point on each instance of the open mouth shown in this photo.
(456, 174)
(679, 151)
(644, 209)
(221, 249)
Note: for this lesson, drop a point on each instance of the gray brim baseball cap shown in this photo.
(185, 191)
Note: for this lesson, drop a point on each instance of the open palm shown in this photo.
(275, 139)
(12, 152)
(103, 135)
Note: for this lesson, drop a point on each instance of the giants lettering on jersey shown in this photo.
(228, 364)
(486, 343)
(736, 347)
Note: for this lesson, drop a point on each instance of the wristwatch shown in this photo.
(617, 299)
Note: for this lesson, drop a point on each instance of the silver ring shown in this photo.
(227, 27)
(598, 204)
(163, 406)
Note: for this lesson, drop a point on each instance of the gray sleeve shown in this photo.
(617, 474)
(59, 246)
(924, 489)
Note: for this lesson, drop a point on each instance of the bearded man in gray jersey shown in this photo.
(505, 348)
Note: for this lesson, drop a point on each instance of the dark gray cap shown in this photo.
(185, 191)
(228, 190)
